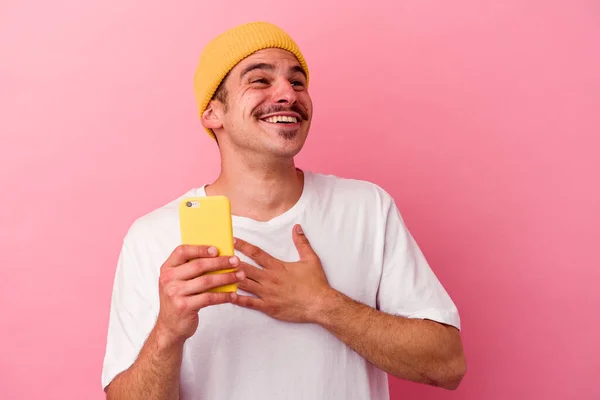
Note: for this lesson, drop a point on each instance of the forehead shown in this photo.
(276, 57)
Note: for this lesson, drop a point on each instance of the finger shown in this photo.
(200, 301)
(186, 252)
(252, 272)
(305, 251)
(205, 282)
(249, 302)
(250, 286)
(200, 266)
(257, 254)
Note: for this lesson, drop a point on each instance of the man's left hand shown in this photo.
(287, 291)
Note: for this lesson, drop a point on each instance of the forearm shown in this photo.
(413, 349)
(155, 373)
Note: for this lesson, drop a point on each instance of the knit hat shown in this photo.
(229, 48)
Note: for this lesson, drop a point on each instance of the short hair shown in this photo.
(221, 93)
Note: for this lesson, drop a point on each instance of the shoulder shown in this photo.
(351, 191)
(158, 225)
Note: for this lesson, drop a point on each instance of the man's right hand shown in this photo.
(182, 286)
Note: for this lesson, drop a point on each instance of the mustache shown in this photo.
(259, 112)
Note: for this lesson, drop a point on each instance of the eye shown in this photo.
(297, 83)
(260, 81)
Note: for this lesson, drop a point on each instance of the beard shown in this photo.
(288, 135)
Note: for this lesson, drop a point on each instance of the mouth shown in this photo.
(283, 119)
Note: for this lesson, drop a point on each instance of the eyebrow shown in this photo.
(269, 67)
(298, 68)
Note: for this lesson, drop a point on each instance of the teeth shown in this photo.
(281, 118)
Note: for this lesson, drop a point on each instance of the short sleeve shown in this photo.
(408, 286)
(133, 313)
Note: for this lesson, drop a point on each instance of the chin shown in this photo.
(288, 140)
(288, 150)
(286, 147)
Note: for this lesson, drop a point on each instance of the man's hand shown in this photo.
(182, 286)
(288, 291)
(414, 349)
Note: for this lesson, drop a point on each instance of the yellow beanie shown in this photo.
(229, 48)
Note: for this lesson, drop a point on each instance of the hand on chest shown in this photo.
(351, 264)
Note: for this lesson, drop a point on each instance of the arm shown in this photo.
(182, 292)
(414, 349)
(155, 373)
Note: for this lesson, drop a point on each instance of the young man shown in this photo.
(333, 290)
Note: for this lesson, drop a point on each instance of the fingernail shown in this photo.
(299, 230)
(234, 240)
(213, 251)
(239, 274)
(233, 260)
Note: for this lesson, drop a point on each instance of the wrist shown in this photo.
(166, 340)
(325, 306)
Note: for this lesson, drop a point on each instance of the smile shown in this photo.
(281, 119)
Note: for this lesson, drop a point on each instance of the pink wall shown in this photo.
(482, 118)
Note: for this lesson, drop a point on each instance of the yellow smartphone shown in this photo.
(206, 221)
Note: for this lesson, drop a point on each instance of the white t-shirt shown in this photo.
(237, 353)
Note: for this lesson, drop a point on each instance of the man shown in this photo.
(333, 292)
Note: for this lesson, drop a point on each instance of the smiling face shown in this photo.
(268, 109)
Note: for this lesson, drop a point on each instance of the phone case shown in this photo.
(207, 221)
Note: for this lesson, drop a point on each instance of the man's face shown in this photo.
(268, 107)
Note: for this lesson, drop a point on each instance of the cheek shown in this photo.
(251, 99)
(249, 104)
(306, 101)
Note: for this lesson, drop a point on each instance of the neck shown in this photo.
(258, 190)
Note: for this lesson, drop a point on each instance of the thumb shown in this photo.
(302, 244)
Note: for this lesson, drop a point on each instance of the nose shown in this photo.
(284, 92)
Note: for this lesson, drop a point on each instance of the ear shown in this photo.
(212, 116)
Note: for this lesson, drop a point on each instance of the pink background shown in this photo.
(482, 118)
